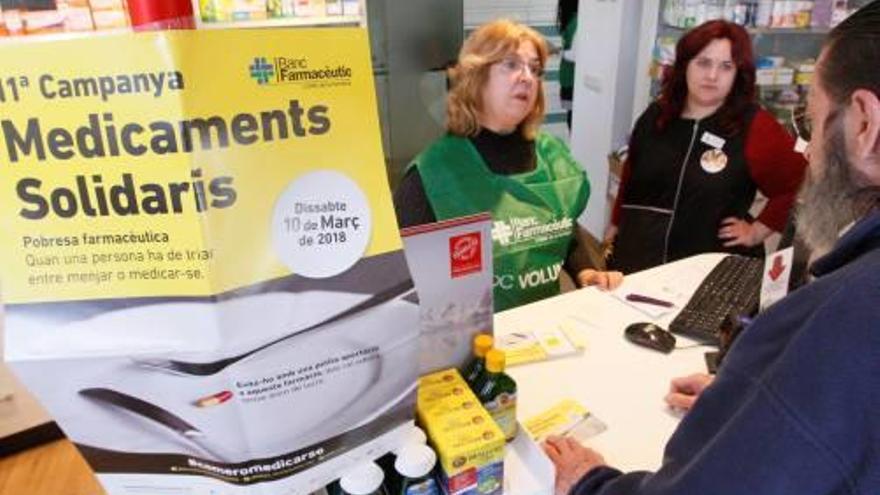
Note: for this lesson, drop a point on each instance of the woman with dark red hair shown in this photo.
(698, 155)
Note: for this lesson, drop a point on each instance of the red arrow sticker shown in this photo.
(777, 269)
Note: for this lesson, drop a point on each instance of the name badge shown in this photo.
(713, 140)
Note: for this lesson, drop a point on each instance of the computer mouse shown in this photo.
(650, 335)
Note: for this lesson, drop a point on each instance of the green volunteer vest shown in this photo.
(533, 214)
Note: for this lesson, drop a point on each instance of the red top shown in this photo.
(774, 165)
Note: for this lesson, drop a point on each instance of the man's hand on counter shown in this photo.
(572, 461)
(685, 390)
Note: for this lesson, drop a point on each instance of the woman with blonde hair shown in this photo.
(493, 158)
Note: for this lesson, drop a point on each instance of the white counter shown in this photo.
(619, 382)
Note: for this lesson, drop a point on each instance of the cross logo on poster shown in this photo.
(465, 254)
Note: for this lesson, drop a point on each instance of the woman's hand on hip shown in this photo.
(737, 232)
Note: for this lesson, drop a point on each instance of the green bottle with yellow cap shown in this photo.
(497, 392)
(473, 371)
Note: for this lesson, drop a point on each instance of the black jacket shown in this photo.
(674, 199)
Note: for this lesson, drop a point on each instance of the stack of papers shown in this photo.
(666, 293)
(527, 346)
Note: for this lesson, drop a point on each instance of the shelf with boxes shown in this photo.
(760, 15)
(277, 13)
(284, 22)
(69, 19)
(759, 31)
(780, 31)
(41, 17)
(787, 37)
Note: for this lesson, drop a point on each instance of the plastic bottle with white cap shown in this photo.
(363, 479)
(415, 464)
(413, 436)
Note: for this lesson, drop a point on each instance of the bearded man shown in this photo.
(795, 408)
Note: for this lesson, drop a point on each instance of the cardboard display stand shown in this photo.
(203, 277)
(451, 264)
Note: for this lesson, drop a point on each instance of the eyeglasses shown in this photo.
(515, 65)
(803, 127)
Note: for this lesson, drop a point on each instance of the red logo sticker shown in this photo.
(465, 254)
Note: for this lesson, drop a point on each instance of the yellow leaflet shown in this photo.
(557, 420)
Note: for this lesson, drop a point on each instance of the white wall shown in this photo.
(608, 41)
(647, 40)
(611, 84)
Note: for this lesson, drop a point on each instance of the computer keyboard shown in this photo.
(733, 287)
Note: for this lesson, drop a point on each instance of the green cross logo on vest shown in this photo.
(533, 213)
(518, 235)
(528, 229)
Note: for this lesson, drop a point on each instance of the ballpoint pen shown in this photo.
(639, 298)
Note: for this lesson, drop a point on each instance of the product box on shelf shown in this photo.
(109, 14)
(351, 7)
(107, 4)
(778, 76)
(77, 15)
(43, 21)
(784, 75)
(308, 8)
(109, 19)
(233, 10)
(78, 19)
(469, 445)
(804, 74)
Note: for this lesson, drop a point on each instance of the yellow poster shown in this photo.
(178, 164)
(203, 274)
